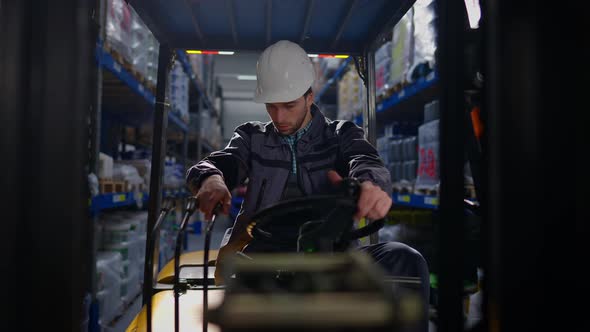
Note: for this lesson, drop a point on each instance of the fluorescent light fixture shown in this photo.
(226, 52)
(313, 55)
(247, 77)
(473, 13)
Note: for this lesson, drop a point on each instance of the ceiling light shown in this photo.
(247, 77)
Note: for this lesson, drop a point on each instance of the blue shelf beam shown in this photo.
(407, 92)
(105, 60)
(118, 200)
(115, 200)
(416, 201)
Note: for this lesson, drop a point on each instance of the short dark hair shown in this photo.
(307, 92)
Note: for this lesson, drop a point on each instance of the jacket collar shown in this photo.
(317, 122)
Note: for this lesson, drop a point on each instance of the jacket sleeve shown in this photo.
(362, 159)
(232, 163)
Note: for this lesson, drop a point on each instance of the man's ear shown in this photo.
(310, 97)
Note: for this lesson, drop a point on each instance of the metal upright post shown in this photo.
(199, 137)
(45, 97)
(369, 115)
(452, 141)
(99, 16)
(185, 149)
(158, 158)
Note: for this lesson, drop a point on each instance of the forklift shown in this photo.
(269, 292)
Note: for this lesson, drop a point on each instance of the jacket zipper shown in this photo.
(260, 193)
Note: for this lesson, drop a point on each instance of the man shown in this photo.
(298, 153)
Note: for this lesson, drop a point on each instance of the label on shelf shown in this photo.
(402, 93)
(430, 76)
(404, 198)
(431, 200)
(117, 67)
(119, 198)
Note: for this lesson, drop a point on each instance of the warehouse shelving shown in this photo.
(337, 74)
(416, 201)
(108, 201)
(106, 61)
(405, 93)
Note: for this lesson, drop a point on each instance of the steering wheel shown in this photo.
(327, 223)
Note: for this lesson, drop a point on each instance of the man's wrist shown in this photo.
(196, 183)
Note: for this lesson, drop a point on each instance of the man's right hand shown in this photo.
(213, 191)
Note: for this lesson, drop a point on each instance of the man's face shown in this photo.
(291, 116)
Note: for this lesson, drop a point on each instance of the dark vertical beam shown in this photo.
(199, 124)
(99, 23)
(194, 21)
(44, 100)
(308, 12)
(452, 138)
(369, 112)
(534, 248)
(185, 150)
(268, 21)
(14, 22)
(158, 159)
(99, 34)
(232, 20)
(343, 23)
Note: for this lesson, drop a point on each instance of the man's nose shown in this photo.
(279, 116)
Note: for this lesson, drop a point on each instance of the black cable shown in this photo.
(359, 70)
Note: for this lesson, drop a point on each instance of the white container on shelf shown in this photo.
(117, 231)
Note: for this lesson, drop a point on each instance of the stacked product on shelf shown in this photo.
(410, 54)
(424, 26)
(143, 167)
(324, 69)
(178, 91)
(351, 98)
(129, 175)
(382, 68)
(144, 50)
(109, 271)
(130, 41)
(120, 260)
(209, 128)
(427, 179)
(402, 43)
(398, 148)
(118, 29)
(173, 174)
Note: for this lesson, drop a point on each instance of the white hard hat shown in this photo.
(284, 73)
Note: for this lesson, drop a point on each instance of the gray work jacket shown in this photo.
(256, 152)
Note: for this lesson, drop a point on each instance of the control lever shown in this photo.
(191, 207)
(167, 206)
(208, 232)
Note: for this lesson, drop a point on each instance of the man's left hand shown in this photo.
(373, 203)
